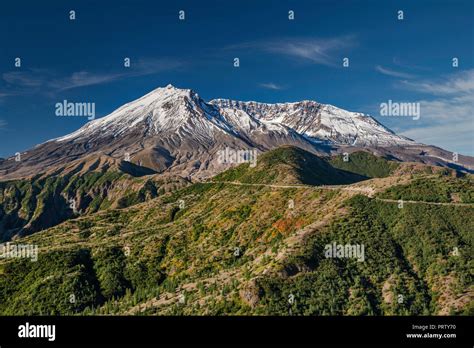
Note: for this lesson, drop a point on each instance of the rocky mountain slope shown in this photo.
(316, 121)
(78, 188)
(174, 130)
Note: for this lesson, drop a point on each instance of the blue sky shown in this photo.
(407, 60)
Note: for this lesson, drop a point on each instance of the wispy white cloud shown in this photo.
(447, 117)
(460, 84)
(322, 51)
(448, 136)
(393, 73)
(3, 124)
(83, 78)
(4, 96)
(405, 65)
(271, 85)
(34, 80)
(22, 78)
(142, 67)
(453, 136)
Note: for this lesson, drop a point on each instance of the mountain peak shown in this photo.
(169, 91)
(173, 129)
(162, 109)
(319, 122)
(176, 110)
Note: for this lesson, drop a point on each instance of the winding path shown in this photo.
(366, 190)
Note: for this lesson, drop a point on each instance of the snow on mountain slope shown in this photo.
(319, 122)
(168, 129)
(174, 130)
(163, 110)
(182, 111)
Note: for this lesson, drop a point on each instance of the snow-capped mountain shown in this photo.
(316, 122)
(177, 113)
(181, 112)
(162, 111)
(174, 130)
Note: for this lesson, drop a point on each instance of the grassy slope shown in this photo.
(409, 253)
(289, 165)
(434, 189)
(143, 258)
(366, 164)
